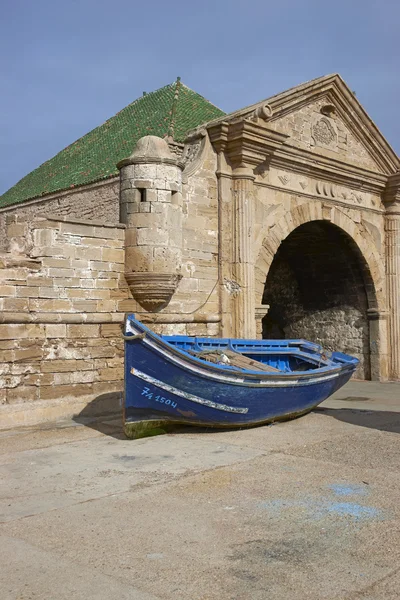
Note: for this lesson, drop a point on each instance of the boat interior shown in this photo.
(285, 356)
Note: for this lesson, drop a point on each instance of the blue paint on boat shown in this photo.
(170, 379)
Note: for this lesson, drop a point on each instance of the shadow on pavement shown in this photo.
(104, 414)
(373, 419)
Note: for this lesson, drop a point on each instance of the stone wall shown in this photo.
(60, 326)
(198, 290)
(98, 201)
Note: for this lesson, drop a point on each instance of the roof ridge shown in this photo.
(173, 109)
(204, 98)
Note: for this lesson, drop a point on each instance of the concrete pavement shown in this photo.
(308, 509)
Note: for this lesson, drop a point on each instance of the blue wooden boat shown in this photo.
(215, 382)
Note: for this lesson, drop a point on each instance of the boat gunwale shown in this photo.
(221, 372)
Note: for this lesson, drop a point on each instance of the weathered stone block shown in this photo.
(7, 290)
(56, 331)
(22, 393)
(111, 374)
(85, 306)
(82, 331)
(16, 331)
(110, 330)
(58, 366)
(27, 291)
(89, 253)
(53, 272)
(62, 263)
(75, 229)
(50, 305)
(65, 391)
(152, 237)
(113, 255)
(33, 353)
(145, 207)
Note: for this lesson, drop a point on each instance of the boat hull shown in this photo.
(163, 389)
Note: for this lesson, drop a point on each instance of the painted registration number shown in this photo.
(167, 401)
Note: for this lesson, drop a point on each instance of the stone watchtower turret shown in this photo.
(151, 208)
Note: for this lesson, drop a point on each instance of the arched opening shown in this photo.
(319, 288)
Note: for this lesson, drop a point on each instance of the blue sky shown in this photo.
(67, 66)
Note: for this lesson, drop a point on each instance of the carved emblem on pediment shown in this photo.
(191, 152)
(303, 184)
(191, 155)
(324, 132)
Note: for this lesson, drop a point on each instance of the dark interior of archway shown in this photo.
(316, 290)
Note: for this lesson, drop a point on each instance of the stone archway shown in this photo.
(324, 281)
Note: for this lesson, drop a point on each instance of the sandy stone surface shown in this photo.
(303, 510)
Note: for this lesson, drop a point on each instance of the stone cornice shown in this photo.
(392, 190)
(306, 162)
(245, 143)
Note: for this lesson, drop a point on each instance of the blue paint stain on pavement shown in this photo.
(348, 489)
(319, 508)
(351, 509)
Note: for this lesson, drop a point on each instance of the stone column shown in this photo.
(378, 343)
(245, 143)
(261, 312)
(392, 228)
(243, 267)
(151, 207)
(392, 237)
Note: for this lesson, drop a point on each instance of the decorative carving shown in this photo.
(153, 291)
(303, 184)
(192, 152)
(331, 190)
(284, 179)
(176, 149)
(263, 112)
(323, 132)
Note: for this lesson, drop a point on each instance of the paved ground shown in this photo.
(308, 509)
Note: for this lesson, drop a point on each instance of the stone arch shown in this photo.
(359, 243)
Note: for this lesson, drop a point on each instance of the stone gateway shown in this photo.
(281, 220)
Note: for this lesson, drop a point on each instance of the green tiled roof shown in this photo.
(174, 108)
